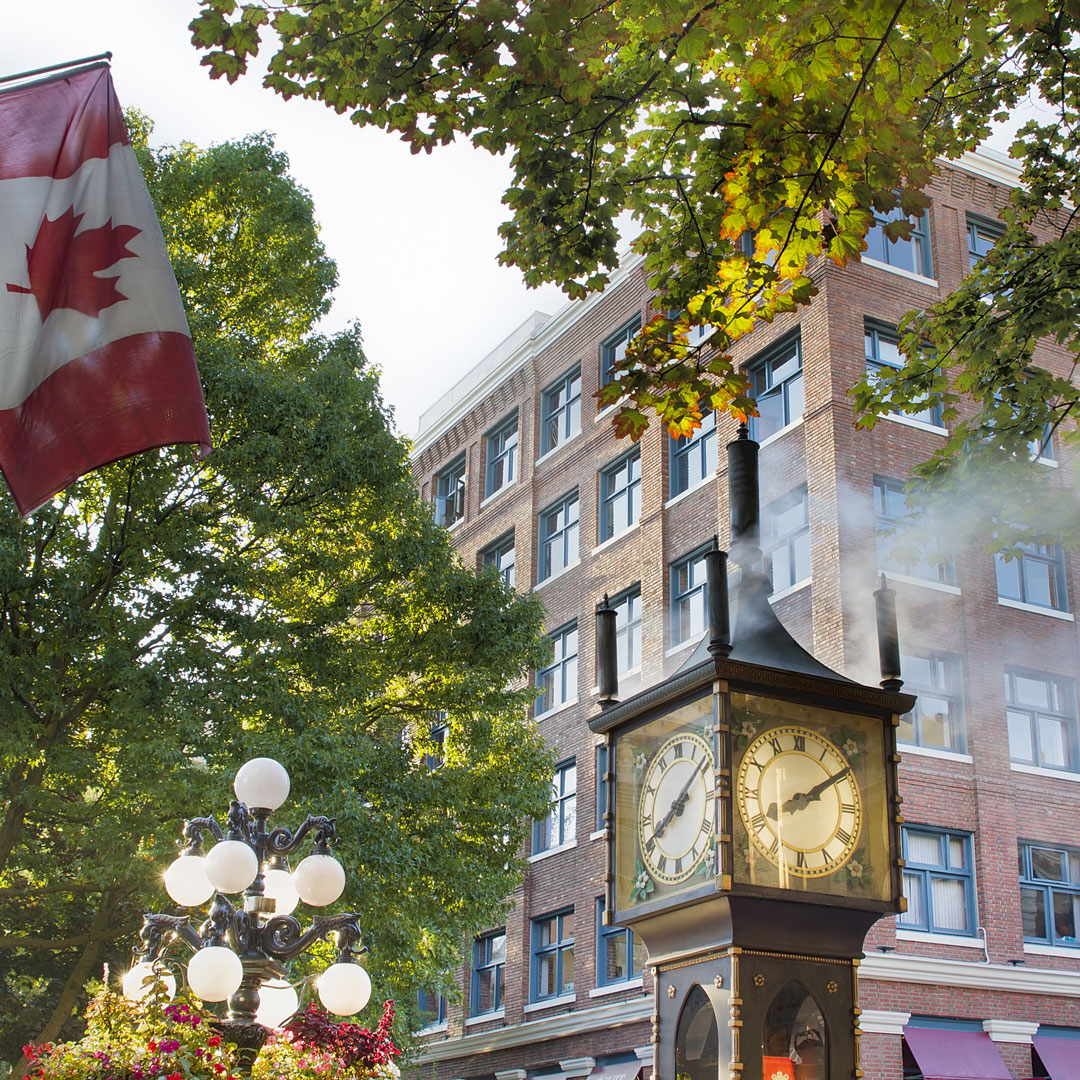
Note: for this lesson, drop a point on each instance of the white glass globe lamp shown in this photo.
(277, 1002)
(278, 885)
(262, 783)
(320, 880)
(138, 981)
(231, 866)
(186, 881)
(344, 989)
(214, 973)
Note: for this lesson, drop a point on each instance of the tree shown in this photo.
(290, 595)
(788, 122)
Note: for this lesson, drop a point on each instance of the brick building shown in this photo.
(526, 472)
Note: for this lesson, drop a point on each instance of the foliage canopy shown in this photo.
(793, 122)
(165, 619)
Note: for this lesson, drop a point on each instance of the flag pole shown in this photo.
(55, 67)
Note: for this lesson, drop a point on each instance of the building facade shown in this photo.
(524, 469)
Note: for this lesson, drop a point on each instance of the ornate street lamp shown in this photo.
(239, 951)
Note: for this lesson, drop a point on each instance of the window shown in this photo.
(787, 538)
(430, 1008)
(489, 959)
(553, 955)
(882, 345)
(560, 411)
(435, 757)
(982, 236)
(1050, 893)
(627, 607)
(1041, 713)
(937, 719)
(939, 884)
(688, 612)
(558, 681)
(890, 510)
(693, 459)
(558, 537)
(601, 785)
(613, 349)
(450, 493)
(559, 828)
(502, 445)
(912, 254)
(620, 495)
(1035, 574)
(618, 951)
(500, 556)
(777, 384)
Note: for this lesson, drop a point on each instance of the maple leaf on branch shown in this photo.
(63, 266)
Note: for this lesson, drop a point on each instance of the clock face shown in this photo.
(675, 810)
(810, 799)
(799, 801)
(665, 804)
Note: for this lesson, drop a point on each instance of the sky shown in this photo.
(415, 237)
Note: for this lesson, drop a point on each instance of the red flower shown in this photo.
(151, 1046)
(174, 1076)
(214, 1040)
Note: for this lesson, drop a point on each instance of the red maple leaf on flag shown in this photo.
(63, 266)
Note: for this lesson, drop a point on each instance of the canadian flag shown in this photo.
(96, 359)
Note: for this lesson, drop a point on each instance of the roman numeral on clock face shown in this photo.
(800, 742)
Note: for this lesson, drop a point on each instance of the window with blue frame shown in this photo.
(981, 237)
(912, 255)
(553, 956)
(627, 607)
(558, 537)
(939, 881)
(787, 538)
(450, 493)
(890, 511)
(500, 557)
(688, 597)
(489, 960)
(558, 681)
(613, 348)
(693, 458)
(1033, 574)
(559, 828)
(560, 411)
(619, 952)
(1050, 894)
(938, 717)
(502, 446)
(620, 495)
(430, 1008)
(882, 345)
(776, 380)
(1041, 714)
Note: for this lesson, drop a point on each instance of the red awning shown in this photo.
(1060, 1056)
(627, 1071)
(944, 1054)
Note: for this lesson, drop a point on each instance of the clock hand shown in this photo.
(678, 804)
(803, 799)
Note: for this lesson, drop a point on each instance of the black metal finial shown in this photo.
(743, 499)
(716, 591)
(888, 636)
(607, 660)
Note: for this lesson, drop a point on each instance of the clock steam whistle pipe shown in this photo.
(888, 636)
(607, 660)
(716, 590)
(743, 500)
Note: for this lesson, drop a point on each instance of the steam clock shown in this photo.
(753, 832)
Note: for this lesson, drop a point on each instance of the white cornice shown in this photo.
(602, 1017)
(991, 977)
(990, 165)
(530, 338)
